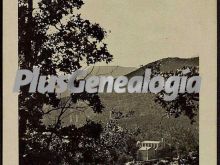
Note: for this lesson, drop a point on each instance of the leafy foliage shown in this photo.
(55, 38)
(185, 103)
(89, 144)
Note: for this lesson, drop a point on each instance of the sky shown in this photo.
(143, 31)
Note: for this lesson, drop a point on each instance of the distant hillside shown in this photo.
(166, 65)
(114, 71)
(148, 116)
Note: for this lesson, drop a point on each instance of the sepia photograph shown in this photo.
(117, 82)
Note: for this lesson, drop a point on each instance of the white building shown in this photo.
(148, 149)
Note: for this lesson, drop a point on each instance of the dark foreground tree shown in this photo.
(186, 103)
(94, 144)
(54, 37)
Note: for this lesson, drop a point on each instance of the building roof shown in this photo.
(156, 142)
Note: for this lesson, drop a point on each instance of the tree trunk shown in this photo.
(26, 63)
(29, 51)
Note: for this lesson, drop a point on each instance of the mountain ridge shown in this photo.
(147, 114)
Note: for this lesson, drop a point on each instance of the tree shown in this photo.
(119, 143)
(181, 140)
(185, 103)
(54, 37)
